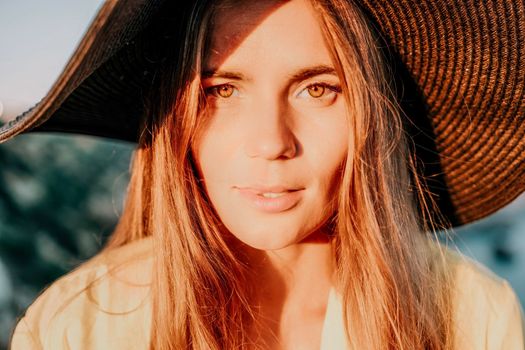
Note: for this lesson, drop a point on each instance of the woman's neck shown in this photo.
(291, 285)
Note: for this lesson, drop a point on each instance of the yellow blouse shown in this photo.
(115, 312)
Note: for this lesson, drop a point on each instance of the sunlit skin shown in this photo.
(276, 117)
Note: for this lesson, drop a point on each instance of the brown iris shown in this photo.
(225, 90)
(316, 90)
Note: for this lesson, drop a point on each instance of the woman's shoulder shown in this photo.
(90, 301)
(487, 312)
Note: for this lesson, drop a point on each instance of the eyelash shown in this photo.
(212, 90)
(331, 87)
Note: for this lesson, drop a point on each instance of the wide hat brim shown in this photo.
(461, 63)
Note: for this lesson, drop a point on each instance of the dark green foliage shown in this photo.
(60, 197)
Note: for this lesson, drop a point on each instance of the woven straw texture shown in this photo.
(468, 59)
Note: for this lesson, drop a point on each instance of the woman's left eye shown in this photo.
(320, 91)
(222, 91)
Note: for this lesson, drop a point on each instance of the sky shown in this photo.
(36, 39)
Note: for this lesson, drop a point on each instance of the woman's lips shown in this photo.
(282, 200)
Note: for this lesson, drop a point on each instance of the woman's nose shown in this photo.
(271, 135)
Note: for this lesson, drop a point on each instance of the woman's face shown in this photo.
(276, 132)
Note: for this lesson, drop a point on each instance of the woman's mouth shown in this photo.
(271, 201)
(272, 194)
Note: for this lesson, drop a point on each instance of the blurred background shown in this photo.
(61, 195)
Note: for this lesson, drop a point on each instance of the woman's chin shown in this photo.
(279, 236)
(269, 241)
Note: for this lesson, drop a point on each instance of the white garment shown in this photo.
(115, 313)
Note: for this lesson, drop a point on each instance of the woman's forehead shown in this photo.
(266, 31)
(243, 12)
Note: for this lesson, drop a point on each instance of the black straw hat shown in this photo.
(462, 65)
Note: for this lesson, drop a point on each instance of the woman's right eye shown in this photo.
(222, 91)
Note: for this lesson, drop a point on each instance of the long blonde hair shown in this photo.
(395, 293)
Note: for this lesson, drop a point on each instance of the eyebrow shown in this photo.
(300, 75)
(213, 73)
(310, 72)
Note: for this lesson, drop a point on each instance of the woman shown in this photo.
(275, 201)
